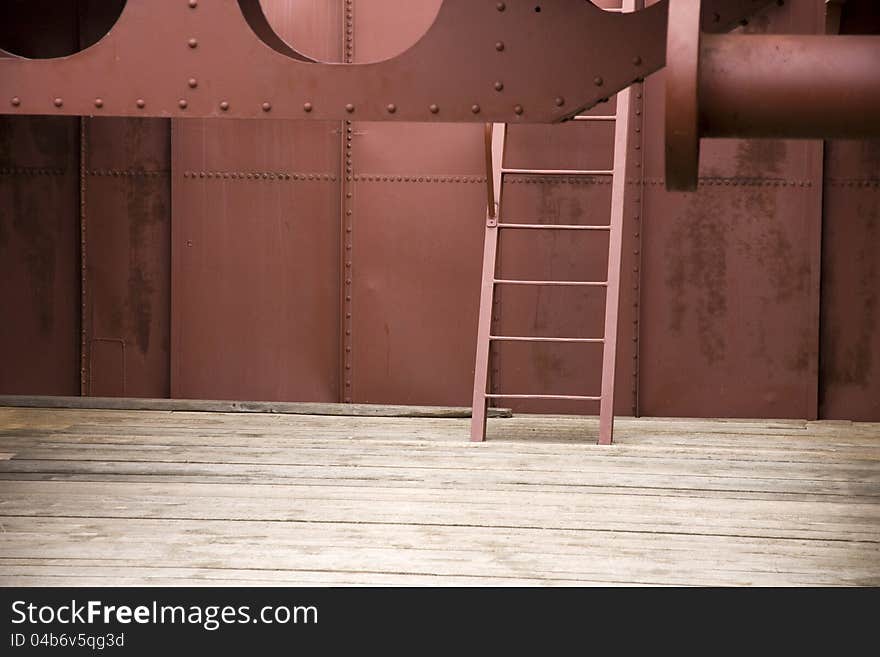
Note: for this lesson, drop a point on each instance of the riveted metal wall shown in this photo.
(126, 257)
(39, 221)
(730, 294)
(417, 220)
(850, 348)
(255, 245)
(39, 268)
(850, 364)
(328, 261)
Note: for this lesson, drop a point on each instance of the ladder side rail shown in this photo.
(496, 138)
(615, 253)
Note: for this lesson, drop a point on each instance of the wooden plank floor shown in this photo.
(104, 497)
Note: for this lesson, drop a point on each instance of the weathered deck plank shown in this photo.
(111, 497)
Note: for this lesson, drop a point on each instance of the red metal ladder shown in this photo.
(496, 137)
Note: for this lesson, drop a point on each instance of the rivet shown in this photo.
(193, 43)
(224, 106)
(267, 107)
(434, 109)
(307, 107)
(140, 103)
(182, 103)
(349, 108)
(598, 81)
(16, 101)
(499, 86)
(499, 46)
(518, 109)
(475, 109)
(637, 61)
(99, 103)
(193, 4)
(392, 108)
(560, 101)
(58, 102)
(193, 83)
(501, 6)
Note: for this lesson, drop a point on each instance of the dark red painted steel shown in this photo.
(255, 238)
(127, 248)
(254, 260)
(55, 28)
(313, 25)
(419, 204)
(850, 362)
(39, 268)
(834, 82)
(731, 273)
(39, 222)
(452, 74)
(744, 288)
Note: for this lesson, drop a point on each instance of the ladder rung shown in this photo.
(524, 338)
(504, 281)
(561, 397)
(587, 117)
(561, 172)
(553, 227)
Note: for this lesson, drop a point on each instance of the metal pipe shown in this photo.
(775, 86)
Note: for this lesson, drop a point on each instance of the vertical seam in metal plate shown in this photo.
(638, 159)
(829, 23)
(83, 283)
(638, 156)
(816, 172)
(347, 208)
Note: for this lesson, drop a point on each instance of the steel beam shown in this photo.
(535, 61)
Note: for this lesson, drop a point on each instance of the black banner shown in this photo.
(326, 621)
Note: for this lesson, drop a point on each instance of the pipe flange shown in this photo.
(682, 95)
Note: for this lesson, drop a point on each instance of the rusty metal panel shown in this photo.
(731, 273)
(850, 362)
(127, 255)
(39, 268)
(39, 220)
